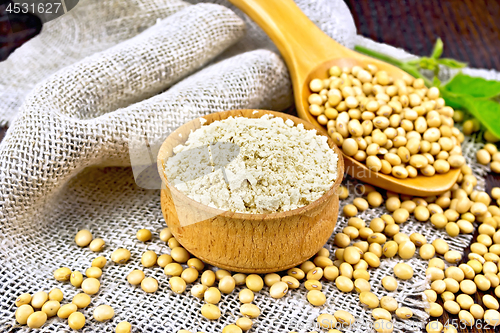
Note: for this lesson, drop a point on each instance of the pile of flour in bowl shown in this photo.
(253, 165)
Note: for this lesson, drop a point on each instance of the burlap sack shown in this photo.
(92, 26)
(65, 161)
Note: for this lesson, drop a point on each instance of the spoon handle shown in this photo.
(301, 43)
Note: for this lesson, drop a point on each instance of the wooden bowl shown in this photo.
(249, 243)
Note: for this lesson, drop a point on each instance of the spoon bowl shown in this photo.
(309, 53)
(419, 186)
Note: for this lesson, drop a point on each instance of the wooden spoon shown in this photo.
(309, 53)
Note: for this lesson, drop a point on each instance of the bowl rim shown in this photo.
(247, 113)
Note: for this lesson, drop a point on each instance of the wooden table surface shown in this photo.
(470, 30)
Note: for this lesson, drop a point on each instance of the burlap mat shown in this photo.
(65, 159)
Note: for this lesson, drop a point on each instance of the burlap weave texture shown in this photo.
(92, 26)
(64, 163)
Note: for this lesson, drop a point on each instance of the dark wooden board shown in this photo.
(468, 28)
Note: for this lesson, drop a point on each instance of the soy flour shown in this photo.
(253, 165)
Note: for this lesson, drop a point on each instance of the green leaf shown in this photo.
(438, 49)
(413, 62)
(410, 69)
(487, 112)
(451, 63)
(428, 63)
(456, 101)
(473, 86)
(378, 55)
(484, 110)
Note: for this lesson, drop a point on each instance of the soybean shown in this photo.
(103, 312)
(123, 327)
(76, 279)
(210, 311)
(175, 269)
(403, 271)
(278, 290)
(36, 319)
(369, 299)
(466, 318)
(389, 283)
(207, 277)
(144, 235)
(23, 299)
(451, 307)
(361, 285)
(389, 303)
(83, 238)
(344, 317)
(93, 272)
(177, 284)
(245, 296)
(97, 245)
(404, 313)
(66, 310)
(316, 297)
(76, 320)
(190, 275)
(296, 273)
(213, 295)
(292, 282)
(149, 285)
(39, 299)
(492, 317)
(120, 256)
(434, 327)
(380, 313)
(198, 290)
(91, 286)
(250, 310)
(99, 262)
(383, 326)
(232, 329)
(427, 251)
(435, 310)
(406, 250)
(50, 308)
(272, 278)
(23, 313)
(244, 323)
(196, 263)
(135, 277)
(81, 300)
(62, 274)
(227, 284)
(164, 260)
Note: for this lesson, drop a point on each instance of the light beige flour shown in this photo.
(263, 165)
